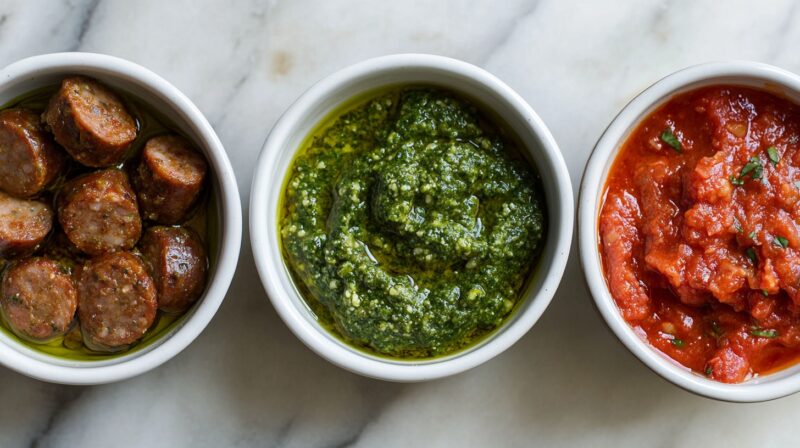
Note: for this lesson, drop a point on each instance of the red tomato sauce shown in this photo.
(700, 231)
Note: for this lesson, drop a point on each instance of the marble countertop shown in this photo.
(247, 381)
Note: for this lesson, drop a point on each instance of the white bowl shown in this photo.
(299, 120)
(592, 191)
(28, 74)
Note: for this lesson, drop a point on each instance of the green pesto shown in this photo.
(205, 221)
(411, 223)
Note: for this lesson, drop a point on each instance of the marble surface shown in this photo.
(247, 381)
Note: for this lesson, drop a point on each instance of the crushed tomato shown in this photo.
(700, 237)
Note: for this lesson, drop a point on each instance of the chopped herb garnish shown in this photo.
(737, 226)
(716, 330)
(752, 235)
(758, 332)
(14, 298)
(781, 241)
(764, 293)
(753, 167)
(736, 182)
(751, 254)
(774, 157)
(669, 138)
(709, 370)
(677, 342)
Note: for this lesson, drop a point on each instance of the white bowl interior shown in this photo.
(30, 74)
(316, 105)
(745, 74)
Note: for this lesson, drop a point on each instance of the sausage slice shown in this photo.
(116, 301)
(176, 260)
(24, 224)
(38, 301)
(169, 178)
(98, 212)
(29, 158)
(89, 120)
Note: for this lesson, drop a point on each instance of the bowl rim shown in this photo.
(86, 372)
(271, 270)
(734, 72)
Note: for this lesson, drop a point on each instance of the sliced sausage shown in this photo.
(116, 301)
(38, 301)
(176, 260)
(98, 212)
(89, 120)
(24, 224)
(61, 249)
(29, 158)
(169, 178)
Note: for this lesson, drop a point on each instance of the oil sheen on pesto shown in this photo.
(411, 224)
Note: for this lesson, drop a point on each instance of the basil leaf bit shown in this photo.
(668, 137)
(751, 254)
(709, 370)
(774, 157)
(762, 333)
(752, 168)
(781, 241)
(677, 342)
(752, 235)
(716, 330)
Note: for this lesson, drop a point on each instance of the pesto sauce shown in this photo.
(411, 223)
(204, 221)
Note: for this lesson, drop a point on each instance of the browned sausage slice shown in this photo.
(169, 178)
(38, 300)
(24, 224)
(176, 260)
(98, 212)
(90, 121)
(116, 301)
(29, 158)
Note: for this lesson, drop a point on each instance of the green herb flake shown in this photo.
(764, 293)
(677, 342)
(752, 235)
(751, 254)
(669, 138)
(781, 242)
(716, 330)
(14, 299)
(753, 168)
(736, 182)
(738, 226)
(709, 370)
(774, 157)
(761, 333)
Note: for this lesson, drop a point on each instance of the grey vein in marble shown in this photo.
(247, 381)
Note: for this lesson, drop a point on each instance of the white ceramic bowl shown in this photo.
(26, 75)
(592, 191)
(306, 113)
